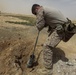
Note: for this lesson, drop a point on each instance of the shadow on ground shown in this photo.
(59, 54)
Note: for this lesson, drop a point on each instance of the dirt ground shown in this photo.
(17, 43)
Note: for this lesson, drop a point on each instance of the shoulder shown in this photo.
(50, 9)
(40, 12)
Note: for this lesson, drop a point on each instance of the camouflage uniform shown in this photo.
(53, 19)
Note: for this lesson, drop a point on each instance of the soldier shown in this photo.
(56, 23)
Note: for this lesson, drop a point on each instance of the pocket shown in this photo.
(67, 36)
(71, 27)
(59, 29)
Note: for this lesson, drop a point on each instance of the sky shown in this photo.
(67, 7)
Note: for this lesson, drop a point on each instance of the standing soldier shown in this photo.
(57, 26)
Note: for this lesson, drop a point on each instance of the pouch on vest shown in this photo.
(69, 30)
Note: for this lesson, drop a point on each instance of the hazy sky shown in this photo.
(67, 7)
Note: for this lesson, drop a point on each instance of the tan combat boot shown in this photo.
(44, 71)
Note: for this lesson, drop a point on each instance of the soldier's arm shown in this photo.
(40, 22)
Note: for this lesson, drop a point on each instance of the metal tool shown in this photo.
(30, 62)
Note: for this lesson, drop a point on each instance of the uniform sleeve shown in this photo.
(40, 22)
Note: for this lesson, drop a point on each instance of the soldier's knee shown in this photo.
(48, 46)
(48, 50)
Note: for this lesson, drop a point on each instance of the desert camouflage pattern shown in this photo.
(49, 18)
(50, 44)
(54, 20)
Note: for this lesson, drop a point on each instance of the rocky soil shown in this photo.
(16, 45)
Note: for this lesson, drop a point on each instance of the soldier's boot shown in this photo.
(44, 71)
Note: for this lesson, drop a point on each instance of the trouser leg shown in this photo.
(50, 44)
(47, 57)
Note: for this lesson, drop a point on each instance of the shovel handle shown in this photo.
(36, 42)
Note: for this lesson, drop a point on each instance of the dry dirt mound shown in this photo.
(16, 45)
